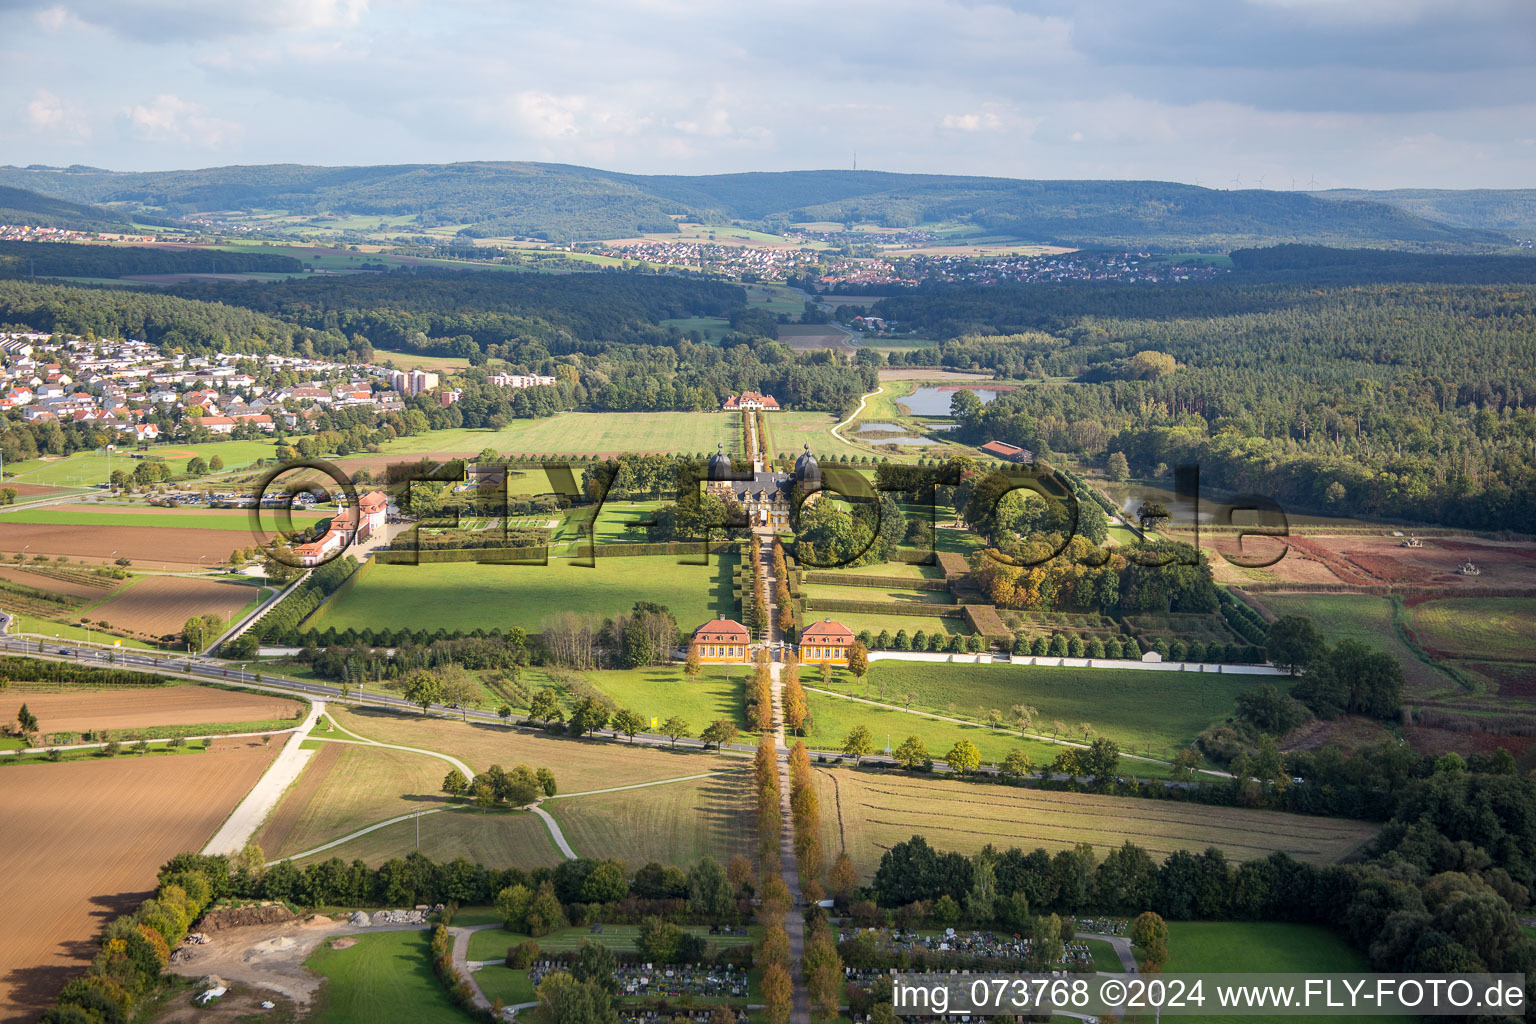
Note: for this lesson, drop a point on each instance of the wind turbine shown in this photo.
(1311, 183)
(1261, 181)
(1238, 181)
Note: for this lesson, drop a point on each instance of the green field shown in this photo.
(1105, 959)
(1366, 619)
(791, 431)
(90, 468)
(821, 591)
(384, 976)
(66, 631)
(69, 515)
(464, 595)
(580, 433)
(1163, 711)
(1260, 947)
(860, 621)
(497, 839)
(710, 328)
(412, 361)
(1490, 628)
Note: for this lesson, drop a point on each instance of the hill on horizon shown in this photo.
(569, 203)
(22, 206)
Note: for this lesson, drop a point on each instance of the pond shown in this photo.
(933, 400)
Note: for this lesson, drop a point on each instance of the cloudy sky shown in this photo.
(1343, 93)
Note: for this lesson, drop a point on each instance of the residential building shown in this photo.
(825, 643)
(723, 641)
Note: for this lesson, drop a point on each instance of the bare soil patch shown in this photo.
(84, 840)
(148, 546)
(266, 956)
(55, 585)
(140, 708)
(158, 607)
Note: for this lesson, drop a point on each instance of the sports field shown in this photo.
(1261, 947)
(381, 977)
(867, 812)
(464, 595)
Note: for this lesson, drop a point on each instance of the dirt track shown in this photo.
(139, 708)
(84, 840)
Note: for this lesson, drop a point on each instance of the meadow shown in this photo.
(90, 468)
(676, 823)
(1145, 712)
(466, 595)
(1366, 619)
(661, 691)
(234, 521)
(866, 812)
(1489, 628)
(791, 431)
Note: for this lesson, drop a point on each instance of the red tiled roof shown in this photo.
(1000, 448)
(722, 631)
(826, 632)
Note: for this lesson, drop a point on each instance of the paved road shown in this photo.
(789, 869)
(1122, 948)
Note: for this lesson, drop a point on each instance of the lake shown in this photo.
(934, 400)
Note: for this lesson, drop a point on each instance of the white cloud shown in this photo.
(985, 121)
(57, 118)
(169, 118)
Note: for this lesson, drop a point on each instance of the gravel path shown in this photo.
(243, 822)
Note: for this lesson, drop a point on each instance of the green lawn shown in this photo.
(89, 468)
(791, 431)
(832, 719)
(498, 981)
(860, 621)
(385, 976)
(464, 595)
(1260, 947)
(1105, 959)
(822, 591)
(66, 631)
(1137, 709)
(663, 691)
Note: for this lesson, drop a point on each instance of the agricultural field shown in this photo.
(1145, 712)
(147, 546)
(84, 841)
(1366, 619)
(676, 823)
(1488, 628)
(156, 606)
(814, 337)
(1363, 559)
(412, 361)
(791, 431)
(376, 977)
(1261, 947)
(584, 433)
(121, 709)
(866, 813)
(500, 838)
(464, 595)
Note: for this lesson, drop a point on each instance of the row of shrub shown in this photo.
(935, 642)
(33, 670)
(853, 579)
(828, 604)
(282, 620)
(1245, 622)
(459, 990)
(134, 949)
(1059, 646)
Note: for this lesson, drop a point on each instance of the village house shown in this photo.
(751, 400)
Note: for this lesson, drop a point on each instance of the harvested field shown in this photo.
(128, 708)
(1377, 560)
(498, 839)
(868, 813)
(161, 605)
(579, 765)
(148, 546)
(85, 839)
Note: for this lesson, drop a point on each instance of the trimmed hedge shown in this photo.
(943, 611)
(889, 582)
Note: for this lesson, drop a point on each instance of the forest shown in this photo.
(1405, 399)
(49, 259)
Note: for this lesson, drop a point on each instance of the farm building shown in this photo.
(722, 641)
(825, 642)
(1009, 452)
